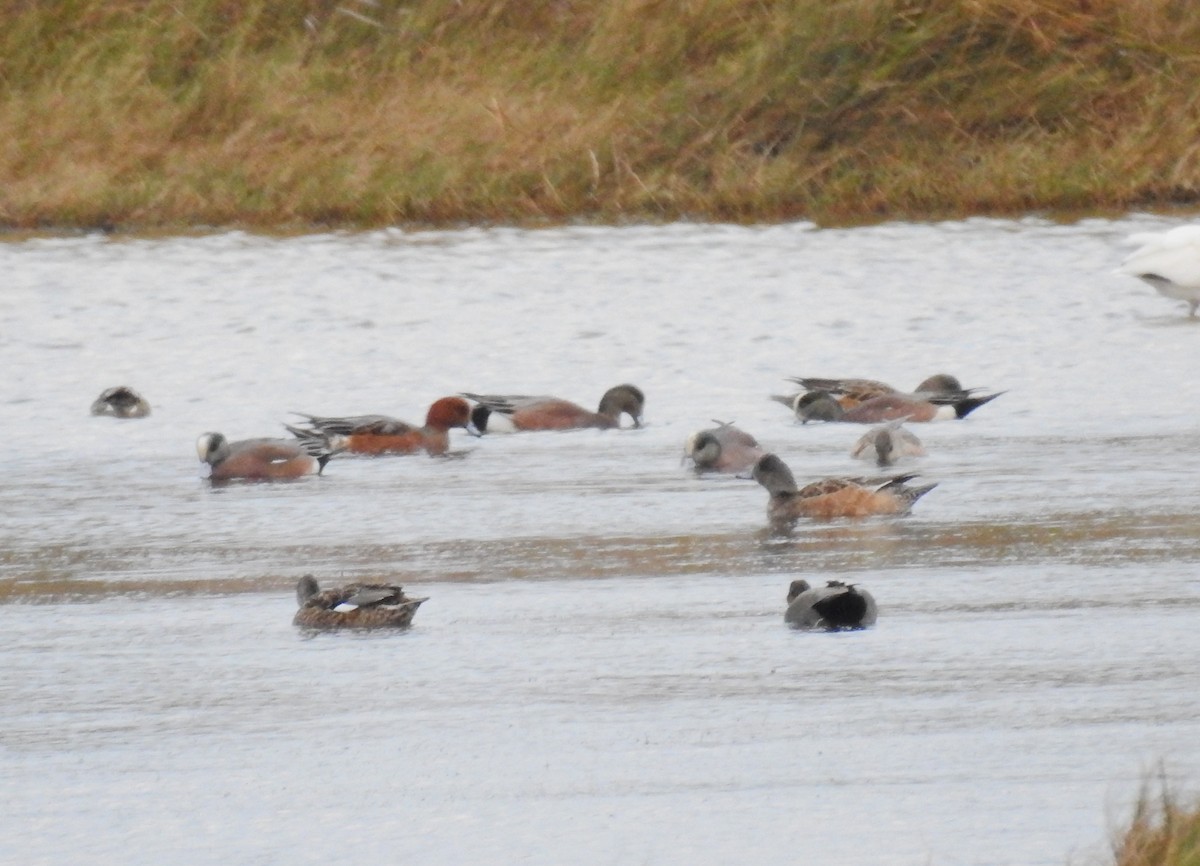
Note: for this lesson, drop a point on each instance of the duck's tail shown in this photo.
(842, 610)
(322, 446)
(911, 494)
(963, 408)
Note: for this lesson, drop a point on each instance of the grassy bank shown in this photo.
(1162, 832)
(165, 114)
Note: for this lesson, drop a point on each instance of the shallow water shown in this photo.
(602, 674)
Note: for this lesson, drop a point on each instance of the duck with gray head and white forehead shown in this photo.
(724, 448)
(262, 459)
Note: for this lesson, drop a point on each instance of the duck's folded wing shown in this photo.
(843, 386)
(826, 486)
(379, 425)
(505, 404)
(367, 596)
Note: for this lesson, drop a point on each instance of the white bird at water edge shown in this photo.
(1169, 261)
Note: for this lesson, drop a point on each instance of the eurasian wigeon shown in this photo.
(823, 406)
(379, 434)
(358, 605)
(262, 459)
(832, 497)
(1169, 261)
(723, 448)
(554, 413)
(121, 402)
(888, 443)
(836, 606)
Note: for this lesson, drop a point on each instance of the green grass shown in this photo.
(155, 114)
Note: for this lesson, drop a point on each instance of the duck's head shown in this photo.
(623, 399)
(773, 474)
(212, 448)
(449, 412)
(306, 588)
(704, 449)
(796, 588)
(817, 406)
(884, 447)
(941, 383)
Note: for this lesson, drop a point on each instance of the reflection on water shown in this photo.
(602, 666)
(59, 573)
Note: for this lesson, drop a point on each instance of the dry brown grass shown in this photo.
(156, 113)
(1162, 832)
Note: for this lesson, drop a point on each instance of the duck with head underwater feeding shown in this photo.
(519, 412)
(887, 444)
(121, 401)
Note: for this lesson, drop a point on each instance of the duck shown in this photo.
(832, 498)
(121, 401)
(523, 413)
(836, 606)
(823, 406)
(376, 435)
(1169, 261)
(262, 459)
(724, 448)
(887, 444)
(851, 392)
(357, 605)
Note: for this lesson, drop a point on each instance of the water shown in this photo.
(602, 674)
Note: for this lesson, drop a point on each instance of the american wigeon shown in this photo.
(888, 443)
(1169, 261)
(262, 459)
(723, 448)
(831, 498)
(823, 406)
(121, 402)
(851, 392)
(380, 434)
(358, 605)
(554, 413)
(836, 606)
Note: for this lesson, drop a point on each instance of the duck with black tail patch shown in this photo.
(836, 606)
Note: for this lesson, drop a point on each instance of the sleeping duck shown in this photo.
(357, 605)
(836, 606)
